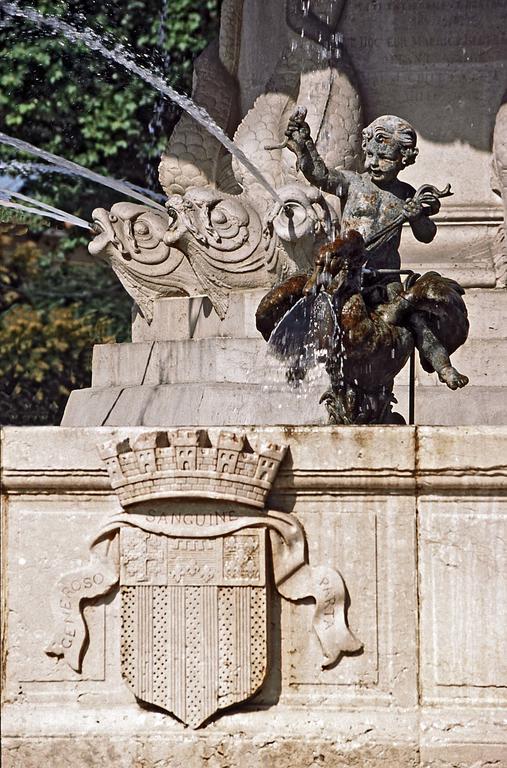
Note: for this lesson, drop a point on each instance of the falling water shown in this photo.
(36, 169)
(79, 170)
(329, 43)
(123, 57)
(39, 209)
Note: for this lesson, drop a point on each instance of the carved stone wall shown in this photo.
(415, 520)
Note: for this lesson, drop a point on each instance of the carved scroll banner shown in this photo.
(192, 573)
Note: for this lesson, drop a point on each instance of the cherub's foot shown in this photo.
(453, 378)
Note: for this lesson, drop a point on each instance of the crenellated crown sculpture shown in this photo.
(183, 462)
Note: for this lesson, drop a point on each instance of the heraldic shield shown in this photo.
(193, 618)
(188, 549)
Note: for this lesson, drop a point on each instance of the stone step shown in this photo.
(173, 362)
(195, 318)
(219, 404)
(487, 310)
(248, 361)
(441, 406)
(482, 360)
(471, 405)
(226, 403)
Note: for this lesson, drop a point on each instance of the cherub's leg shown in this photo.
(436, 354)
(397, 307)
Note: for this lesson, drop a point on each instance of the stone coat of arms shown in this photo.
(189, 552)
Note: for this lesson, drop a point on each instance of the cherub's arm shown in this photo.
(423, 228)
(417, 214)
(309, 162)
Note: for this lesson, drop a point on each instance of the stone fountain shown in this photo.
(199, 569)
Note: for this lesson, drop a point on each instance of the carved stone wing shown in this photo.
(193, 157)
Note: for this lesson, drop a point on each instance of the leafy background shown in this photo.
(55, 304)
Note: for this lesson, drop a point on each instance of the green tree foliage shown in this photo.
(70, 101)
(45, 337)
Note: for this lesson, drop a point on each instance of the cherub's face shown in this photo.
(383, 160)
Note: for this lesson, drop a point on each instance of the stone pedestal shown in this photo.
(189, 367)
(413, 518)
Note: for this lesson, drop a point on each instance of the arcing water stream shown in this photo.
(39, 209)
(79, 170)
(156, 123)
(38, 169)
(123, 57)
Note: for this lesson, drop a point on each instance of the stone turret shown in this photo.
(183, 463)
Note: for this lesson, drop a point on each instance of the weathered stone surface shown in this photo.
(476, 755)
(413, 518)
(474, 405)
(220, 753)
(222, 403)
(271, 404)
(192, 318)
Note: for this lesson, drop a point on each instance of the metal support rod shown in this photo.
(411, 389)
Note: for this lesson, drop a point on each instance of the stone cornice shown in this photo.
(303, 482)
(470, 214)
(329, 461)
(51, 481)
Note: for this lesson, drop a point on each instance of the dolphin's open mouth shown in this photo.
(97, 227)
(103, 232)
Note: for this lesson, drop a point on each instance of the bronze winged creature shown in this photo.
(330, 317)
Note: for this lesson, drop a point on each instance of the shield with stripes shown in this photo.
(193, 619)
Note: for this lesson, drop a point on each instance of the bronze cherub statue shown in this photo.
(375, 200)
(353, 311)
